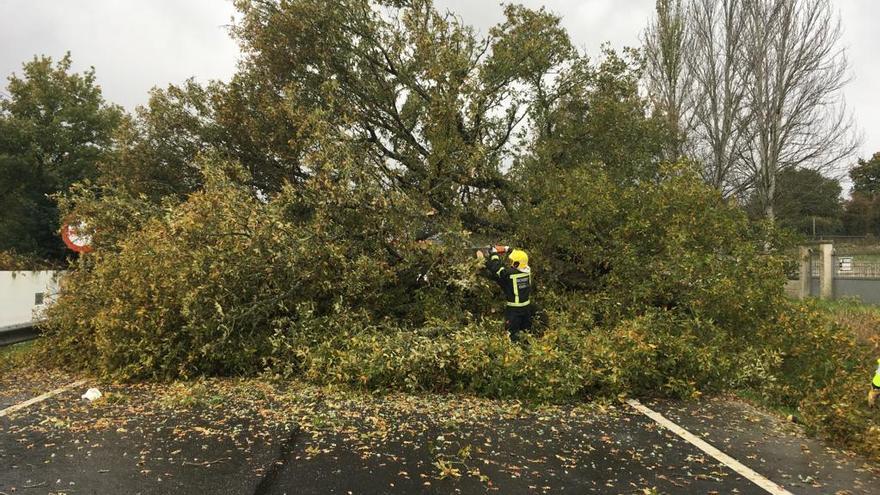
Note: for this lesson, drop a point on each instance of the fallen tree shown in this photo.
(343, 255)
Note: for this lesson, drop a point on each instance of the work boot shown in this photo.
(872, 396)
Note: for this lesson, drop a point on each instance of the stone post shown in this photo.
(826, 278)
(806, 277)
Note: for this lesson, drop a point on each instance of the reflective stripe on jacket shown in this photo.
(516, 284)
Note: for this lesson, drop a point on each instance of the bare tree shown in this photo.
(752, 87)
(668, 77)
(715, 59)
(796, 70)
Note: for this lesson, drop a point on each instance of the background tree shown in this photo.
(716, 60)
(862, 216)
(244, 120)
(54, 129)
(666, 44)
(157, 148)
(866, 176)
(805, 196)
(768, 75)
(797, 69)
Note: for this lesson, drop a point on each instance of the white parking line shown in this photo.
(40, 398)
(701, 444)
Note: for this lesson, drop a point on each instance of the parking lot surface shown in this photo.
(264, 437)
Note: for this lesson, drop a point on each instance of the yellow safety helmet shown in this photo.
(519, 256)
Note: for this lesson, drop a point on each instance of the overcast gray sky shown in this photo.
(137, 44)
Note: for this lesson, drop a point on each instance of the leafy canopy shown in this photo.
(866, 176)
(55, 127)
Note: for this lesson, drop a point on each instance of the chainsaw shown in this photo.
(496, 249)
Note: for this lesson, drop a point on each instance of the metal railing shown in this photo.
(854, 269)
(13, 334)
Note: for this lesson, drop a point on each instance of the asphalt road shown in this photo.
(254, 438)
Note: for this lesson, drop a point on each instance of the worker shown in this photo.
(875, 386)
(516, 282)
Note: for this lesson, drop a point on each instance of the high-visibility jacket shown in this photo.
(516, 283)
(876, 380)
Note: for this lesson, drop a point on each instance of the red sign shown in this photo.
(74, 239)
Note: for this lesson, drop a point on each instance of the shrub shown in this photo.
(201, 288)
(838, 411)
(803, 359)
(659, 354)
(226, 281)
(672, 243)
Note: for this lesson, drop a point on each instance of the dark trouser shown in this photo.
(517, 320)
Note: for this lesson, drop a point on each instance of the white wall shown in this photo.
(18, 291)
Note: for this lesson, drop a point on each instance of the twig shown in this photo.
(206, 463)
(662, 477)
(35, 486)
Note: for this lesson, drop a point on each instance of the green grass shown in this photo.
(848, 306)
(15, 355)
(862, 319)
